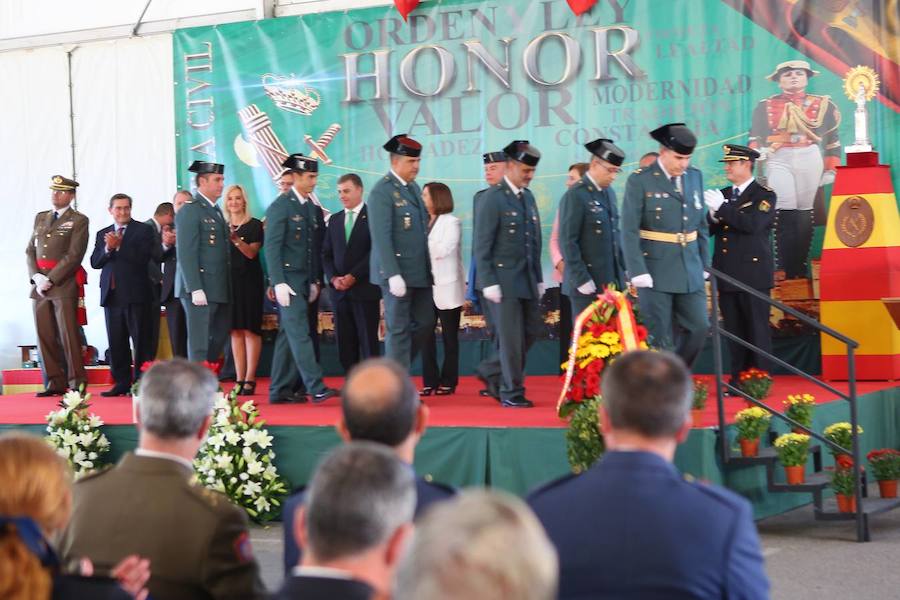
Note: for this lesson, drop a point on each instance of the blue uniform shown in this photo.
(633, 527)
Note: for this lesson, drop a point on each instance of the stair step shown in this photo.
(766, 455)
(813, 483)
(870, 506)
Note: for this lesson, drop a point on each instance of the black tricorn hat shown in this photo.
(494, 157)
(403, 145)
(606, 150)
(523, 152)
(735, 152)
(675, 136)
(301, 164)
(202, 167)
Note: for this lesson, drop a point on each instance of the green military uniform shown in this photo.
(293, 245)
(197, 541)
(664, 234)
(398, 224)
(204, 263)
(507, 248)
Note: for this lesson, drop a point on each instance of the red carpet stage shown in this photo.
(464, 409)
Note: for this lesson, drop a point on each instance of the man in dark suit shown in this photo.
(507, 249)
(366, 485)
(345, 258)
(379, 404)
(175, 319)
(150, 503)
(631, 526)
(162, 223)
(123, 250)
(742, 217)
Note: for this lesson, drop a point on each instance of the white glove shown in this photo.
(827, 178)
(541, 289)
(493, 293)
(42, 283)
(313, 292)
(764, 153)
(198, 298)
(642, 281)
(587, 288)
(705, 274)
(713, 199)
(397, 285)
(283, 293)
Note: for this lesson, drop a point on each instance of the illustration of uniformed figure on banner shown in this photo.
(796, 135)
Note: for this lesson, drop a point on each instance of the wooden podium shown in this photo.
(860, 271)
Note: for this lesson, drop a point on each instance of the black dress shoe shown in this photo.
(445, 390)
(248, 388)
(328, 393)
(48, 393)
(426, 391)
(490, 388)
(289, 398)
(116, 391)
(516, 403)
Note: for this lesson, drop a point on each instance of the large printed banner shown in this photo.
(466, 77)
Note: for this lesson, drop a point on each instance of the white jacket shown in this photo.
(445, 248)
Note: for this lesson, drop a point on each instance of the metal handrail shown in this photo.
(718, 332)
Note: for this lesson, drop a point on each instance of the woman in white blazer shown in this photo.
(444, 248)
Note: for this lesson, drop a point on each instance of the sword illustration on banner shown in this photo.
(318, 146)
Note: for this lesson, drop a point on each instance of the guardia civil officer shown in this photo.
(295, 227)
(665, 242)
(589, 229)
(399, 262)
(203, 280)
(507, 247)
(741, 218)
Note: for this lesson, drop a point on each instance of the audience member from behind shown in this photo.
(196, 539)
(631, 526)
(484, 545)
(354, 525)
(35, 503)
(379, 404)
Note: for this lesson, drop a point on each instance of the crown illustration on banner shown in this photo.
(291, 94)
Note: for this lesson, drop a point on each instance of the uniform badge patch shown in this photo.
(764, 206)
(243, 550)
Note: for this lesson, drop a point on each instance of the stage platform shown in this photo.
(472, 440)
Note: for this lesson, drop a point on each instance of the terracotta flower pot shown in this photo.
(846, 504)
(798, 430)
(696, 418)
(749, 448)
(888, 488)
(796, 474)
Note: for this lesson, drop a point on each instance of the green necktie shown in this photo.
(348, 225)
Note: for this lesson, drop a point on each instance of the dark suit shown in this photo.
(174, 310)
(125, 291)
(76, 587)
(427, 493)
(197, 541)
(743, 249)
(307, 587)
(355, 310)
(155, 272)
(633, 527)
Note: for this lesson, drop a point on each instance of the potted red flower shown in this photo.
(885, 464)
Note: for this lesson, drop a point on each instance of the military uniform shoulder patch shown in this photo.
(764, 206)
(243, 549)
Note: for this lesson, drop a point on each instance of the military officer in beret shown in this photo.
(741, 218)
(54, 253)
(589, 229)
(494, 170)
(399, 262)
(203, 280)
(665, 242)
(295, 227)
(507, 249)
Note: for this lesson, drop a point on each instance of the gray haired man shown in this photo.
(354, 525)
(196, 540)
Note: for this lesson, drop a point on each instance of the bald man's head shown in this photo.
(379, 402)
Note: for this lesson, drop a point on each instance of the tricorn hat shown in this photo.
(675, 136)
(494, 157)
(301, 164)
(523, 152)
(202, 167)
(403, 145)
(606, 150)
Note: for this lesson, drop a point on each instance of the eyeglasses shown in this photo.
(613, 170)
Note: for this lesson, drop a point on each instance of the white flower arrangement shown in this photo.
(237, 459)
(75, 433)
